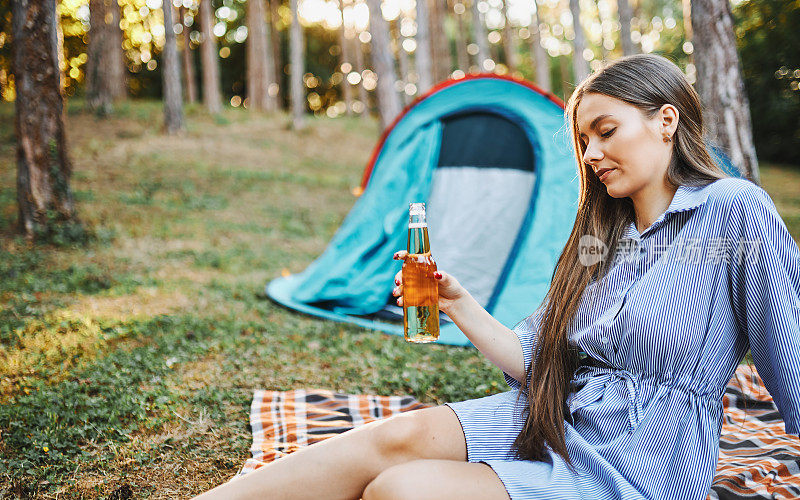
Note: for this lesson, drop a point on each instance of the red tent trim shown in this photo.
(436, 88)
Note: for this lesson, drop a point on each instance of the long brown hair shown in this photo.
(646, 82)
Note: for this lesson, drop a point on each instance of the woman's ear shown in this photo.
(668, 116)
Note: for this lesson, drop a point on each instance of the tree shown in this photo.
(479, 33)
(540, 56)
(509, 42)
(188, 61)
(344, 63)
(212, 95)
(388, 100)
(43, 167)
(259, 67)
(298, 95)
(362, 91)
(422, 56)
(726, 110)
(277, 55)
(116, 55)
(99, 93)
(440, 53)
(625, 17)
(580, 67)
(171, 74)
(462, 56)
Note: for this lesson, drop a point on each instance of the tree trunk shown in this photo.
(119, 71)
(580, 67)
(363, 96)
(388, 100)
(296, 58)
(277, 55)
(625, 16)
(344, 63)
(441, 51)
(212, 94)
(402, 57)
(43, 167)
(726, 110)
(541, 57)
(258, 58)
(462, 56)
(98, 63)
(171, 74)
(566, 90)
(188, 62)
(509, 42)
(422, 55)
(479, 33)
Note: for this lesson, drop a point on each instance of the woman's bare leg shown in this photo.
(342, 466)
(437, 480)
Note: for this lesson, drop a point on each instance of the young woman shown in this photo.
(695, 268)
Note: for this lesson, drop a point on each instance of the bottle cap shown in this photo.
(416, 208)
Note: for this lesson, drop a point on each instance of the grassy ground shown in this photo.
(127, 367)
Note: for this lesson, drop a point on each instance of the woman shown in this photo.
(693, 269)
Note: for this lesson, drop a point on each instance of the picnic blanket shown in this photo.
(757, 459)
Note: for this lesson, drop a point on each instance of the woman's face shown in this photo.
(625, 149)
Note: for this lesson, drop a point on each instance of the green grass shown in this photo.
(127, 365)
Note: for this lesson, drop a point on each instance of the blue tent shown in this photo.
(491, 157)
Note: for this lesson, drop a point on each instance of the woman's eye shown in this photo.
(608, 134)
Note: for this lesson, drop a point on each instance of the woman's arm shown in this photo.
(499, 344)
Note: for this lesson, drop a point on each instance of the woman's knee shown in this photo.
(394, 483)
(429, 433)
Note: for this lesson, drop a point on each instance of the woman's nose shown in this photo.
(592, 154)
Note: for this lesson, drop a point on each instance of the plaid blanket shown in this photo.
(757, 460)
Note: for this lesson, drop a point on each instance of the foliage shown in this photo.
(768, 33)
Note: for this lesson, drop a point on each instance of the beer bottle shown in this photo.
(420, 288)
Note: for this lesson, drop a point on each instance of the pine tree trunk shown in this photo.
(441, 51)
(363, 96)
(422, 55)
(402, 57)
(98, 63)
(625, 16)
(188, 62)
(298, 95)
(43, 167)
(171, 74)
(479, 33)
(212, 94)
(579, 65)
(462, 56)
(277, 55)
(509, 41)
(541, 57)
(344, 62)
(119, 71)
(388, 100)
(726, 110)
(257, 48)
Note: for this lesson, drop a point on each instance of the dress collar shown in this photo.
(685, 198)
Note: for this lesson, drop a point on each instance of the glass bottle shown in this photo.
(420, 288)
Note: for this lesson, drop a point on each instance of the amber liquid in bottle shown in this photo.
(420, 288)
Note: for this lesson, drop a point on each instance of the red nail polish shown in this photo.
(396, 282)
(437, 275)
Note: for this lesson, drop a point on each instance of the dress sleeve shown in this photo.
(765, 294)
(527, 330)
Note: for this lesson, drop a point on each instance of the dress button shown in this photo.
(604, 340)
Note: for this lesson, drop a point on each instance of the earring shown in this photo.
(667, 138)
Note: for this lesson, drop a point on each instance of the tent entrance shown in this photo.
(479, 198)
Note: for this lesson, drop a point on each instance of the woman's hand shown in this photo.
(450, 290)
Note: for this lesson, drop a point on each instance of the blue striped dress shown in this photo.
(715, 275)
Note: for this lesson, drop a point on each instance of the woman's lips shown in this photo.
(603, 173)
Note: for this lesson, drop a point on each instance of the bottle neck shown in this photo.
(418, 241)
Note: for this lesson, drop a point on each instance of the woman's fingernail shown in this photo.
(396, 282)
(437, 275)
